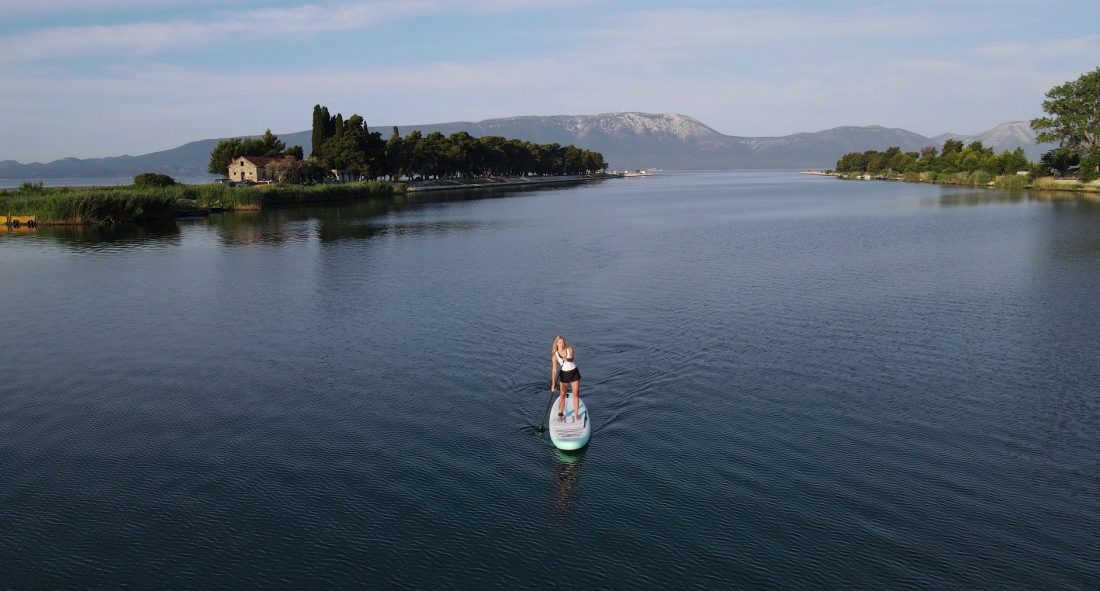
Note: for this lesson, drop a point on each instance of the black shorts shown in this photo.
(568, 377)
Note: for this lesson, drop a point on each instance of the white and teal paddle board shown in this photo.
(573, 432)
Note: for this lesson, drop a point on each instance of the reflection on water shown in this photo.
(289, 224)
(972, 197)
(327, 222)
(564, 478)
(975, 196)
(105, 238)
(273, 227)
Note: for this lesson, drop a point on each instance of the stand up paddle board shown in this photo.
(572, 432)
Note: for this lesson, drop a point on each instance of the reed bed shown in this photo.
(98, 205)
(261, 196)
(1011, 181)
(126, 204)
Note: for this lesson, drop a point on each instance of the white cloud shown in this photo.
(1003, 50)
(154, 36)
(150, 37)
(139, 110)
(26, 7)
(1043, 50)
(707, 31)
(743, 72)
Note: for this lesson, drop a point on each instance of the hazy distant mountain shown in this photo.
(1006, 136)
(627, 141)
(824, 148)
(187, 160)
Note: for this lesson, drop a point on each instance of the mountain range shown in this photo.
(628, 140)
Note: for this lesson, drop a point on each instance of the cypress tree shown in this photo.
(329, 131)
(318, 136)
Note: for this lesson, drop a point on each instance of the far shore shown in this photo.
(1040, 184)
(494, 182)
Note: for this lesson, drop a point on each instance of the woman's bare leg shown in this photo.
(561, 399)
(576, 399)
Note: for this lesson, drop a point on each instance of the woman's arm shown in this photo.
(553, 371)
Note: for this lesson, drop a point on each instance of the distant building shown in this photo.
(250, 168)
(344, 176)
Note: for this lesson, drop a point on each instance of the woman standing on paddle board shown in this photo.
(564, 371)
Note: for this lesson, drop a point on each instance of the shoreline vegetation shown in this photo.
(965, 179)
(349, 162)
(109, 205)
(509, 182)
(140, 204)
(1073, 166)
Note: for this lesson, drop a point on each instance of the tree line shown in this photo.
(349, 145)
(268, 144)
(1072, 121)
(954, 157)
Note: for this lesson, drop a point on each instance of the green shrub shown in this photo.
(148, 180)
(1089, 163)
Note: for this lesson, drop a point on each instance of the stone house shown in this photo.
(250, 168)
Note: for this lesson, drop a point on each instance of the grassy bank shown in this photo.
(97, 205)
(982, 179)
(261, 196)
(117, 205)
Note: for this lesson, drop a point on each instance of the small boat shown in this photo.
(573, 431)
(641, 172)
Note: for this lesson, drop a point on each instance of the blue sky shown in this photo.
(90, 78)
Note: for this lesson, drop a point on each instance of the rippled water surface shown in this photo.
(795, 383)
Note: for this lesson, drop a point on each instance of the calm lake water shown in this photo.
(795, 383)
(97, 181)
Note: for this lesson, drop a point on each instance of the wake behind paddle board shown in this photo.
(572, 432)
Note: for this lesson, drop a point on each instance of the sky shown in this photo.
(91, 78)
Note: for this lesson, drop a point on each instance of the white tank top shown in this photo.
(566, 364)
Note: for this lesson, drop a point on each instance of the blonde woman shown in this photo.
(564, 372)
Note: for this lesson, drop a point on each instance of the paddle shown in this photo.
(546, 412)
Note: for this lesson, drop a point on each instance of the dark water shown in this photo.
(795, 383)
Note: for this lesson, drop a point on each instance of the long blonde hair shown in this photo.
(554, 345)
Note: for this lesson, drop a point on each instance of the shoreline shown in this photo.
(1042, 184)
(495, 182)
(110, 205)
(128, 204)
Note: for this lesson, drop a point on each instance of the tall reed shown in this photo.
(112, 205)
(1011, 181)
(98, 205)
